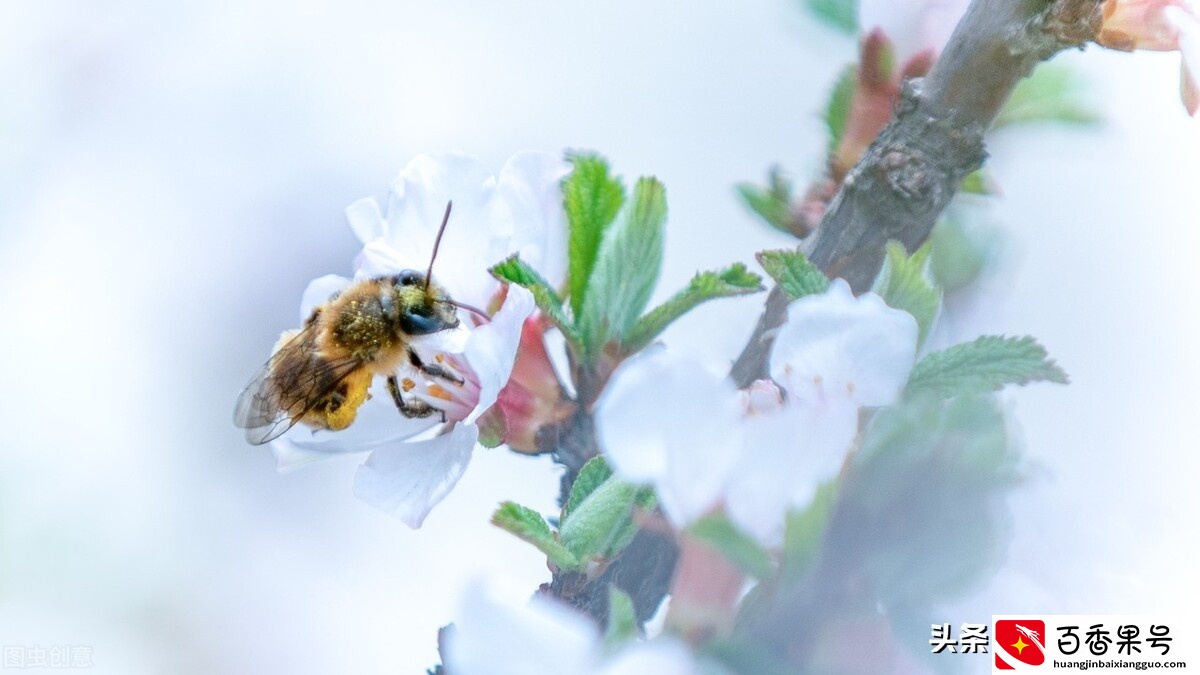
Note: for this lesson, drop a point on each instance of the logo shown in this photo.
(1019, 643)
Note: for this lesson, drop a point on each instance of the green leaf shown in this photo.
(513, 270)
(773, 203)
(926, 467)
(841, 15)
(906, 283)
(622, 619)
(837, 110)
(979, 182)
(627, 268)
(731, 281)
(963, 245)
(793, 272)
(590, 477)
(804, 532)
(737, 547)
(1053, 93)
(592, 198)
(987, 364)
(602, 524)
(529, 526)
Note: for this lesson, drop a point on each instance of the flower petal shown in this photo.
(835, 345)
(319, 292)
(668, 420)
(530, 184)
(476, 237)
(663, 656)
(491, 636)
(1188, 26)
(407, 479)
(491, 348)
(365, 220)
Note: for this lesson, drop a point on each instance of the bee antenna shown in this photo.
(436, 243)
(469, 308)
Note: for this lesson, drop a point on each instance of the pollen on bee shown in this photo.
(441, 358)
(407, 384)
(437, 391)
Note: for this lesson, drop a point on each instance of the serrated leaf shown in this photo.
(622, 619)
(1053, 93)
(591, 476)
(627, 268)
(529, 525)
(841, 15)
(906, 283)
(804, 532)
(732, 281)
(837, 110)
(602, 524)
(986, 364)
(793, 272)
(737, 547)
(513, 270)
(592, 198)
(772, 203)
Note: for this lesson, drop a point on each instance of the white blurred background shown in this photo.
(173, 174)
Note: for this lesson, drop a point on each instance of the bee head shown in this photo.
(423, 307)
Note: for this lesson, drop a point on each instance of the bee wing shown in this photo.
(291, 383)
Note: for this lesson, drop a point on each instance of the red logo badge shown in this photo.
(1020, 642)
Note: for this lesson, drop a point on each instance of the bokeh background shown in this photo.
(173, 174)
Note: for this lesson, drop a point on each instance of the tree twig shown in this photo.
(917, 163)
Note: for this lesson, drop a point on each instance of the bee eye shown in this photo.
(408, 278)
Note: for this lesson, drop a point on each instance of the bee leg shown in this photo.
(432, 369)
(409, 408)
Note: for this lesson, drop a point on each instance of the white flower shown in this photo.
(498, 634)
(518, 212)
(669, 422)
(835, 354)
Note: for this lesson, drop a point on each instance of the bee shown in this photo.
(320, 374)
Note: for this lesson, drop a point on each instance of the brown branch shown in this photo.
(935, 138)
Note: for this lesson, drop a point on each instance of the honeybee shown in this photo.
(320, 374)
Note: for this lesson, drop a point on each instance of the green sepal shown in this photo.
(493, 427)
(732, 281)
(793, 272)
(985, 364)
